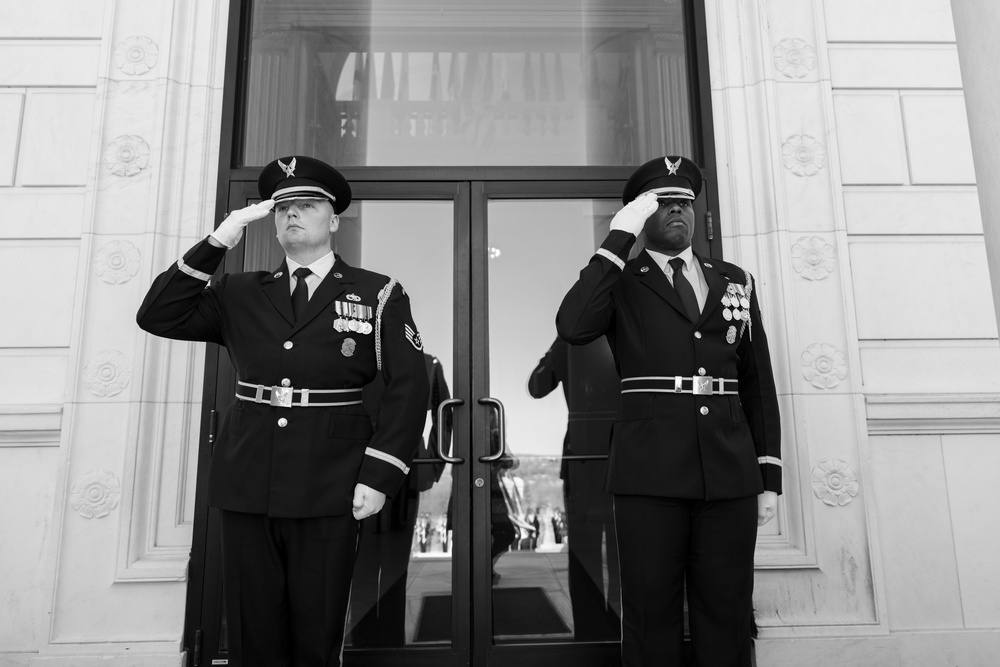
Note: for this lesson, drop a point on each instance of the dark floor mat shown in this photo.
(516, 611)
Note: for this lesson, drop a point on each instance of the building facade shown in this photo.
(844, 179)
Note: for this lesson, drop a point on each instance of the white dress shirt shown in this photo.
(319, 269)
(692, 271)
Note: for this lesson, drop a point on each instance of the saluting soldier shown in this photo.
(297, 463)
(695, 463)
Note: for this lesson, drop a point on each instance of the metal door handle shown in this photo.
(501, 422)
(445, 404)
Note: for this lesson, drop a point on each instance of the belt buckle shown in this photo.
(702, 385)
(281, 397)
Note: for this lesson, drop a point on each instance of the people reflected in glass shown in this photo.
(378, 595)
(589, 382)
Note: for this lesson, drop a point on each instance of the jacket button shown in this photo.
(285, 382)
(697, 334)
(701, 371)
(284, 422)
(704, 410)
(288, 344)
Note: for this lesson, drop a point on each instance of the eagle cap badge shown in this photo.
(289, 168)
(672, 167)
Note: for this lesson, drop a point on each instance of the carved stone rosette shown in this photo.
(96, 494)
(834, 482)
(117, 262)
(108, 373)
(127, 155)
(794, 58)
(136, 55)
(803, 155)
(823, 365)
(813, 258)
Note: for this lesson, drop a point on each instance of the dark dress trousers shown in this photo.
(285, 476)
(691, 460)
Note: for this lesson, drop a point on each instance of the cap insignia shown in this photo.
(289, 169)
(671, 166)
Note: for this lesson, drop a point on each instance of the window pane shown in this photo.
(460, 82)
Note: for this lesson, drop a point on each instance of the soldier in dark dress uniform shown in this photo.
(695, 461)
(298, 462)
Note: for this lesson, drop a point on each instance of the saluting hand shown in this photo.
(633, 216)
(767, 505)
(367, 501)
(230, 231)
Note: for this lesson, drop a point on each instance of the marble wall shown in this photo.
(110, 113)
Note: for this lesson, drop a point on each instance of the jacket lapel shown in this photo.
(278, 291)
(328, 290)
(654, 279)
(717, 282)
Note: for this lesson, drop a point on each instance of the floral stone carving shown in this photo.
(127, 155)
(794, 58)
(823, 365)
(136, 55)
(117, 262)
(834, 482)
(803, 155)
(107, 373)
(813, 258)
(96, 494)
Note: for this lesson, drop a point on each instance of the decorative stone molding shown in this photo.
(823, 365)
(834, 482)
(127, 155)
(803, 155)
(117, 262)
(96, 494)
(136, 55)
(813, 258)
(107, 373)
(794, 58)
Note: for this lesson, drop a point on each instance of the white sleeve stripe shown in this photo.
(615, 259)
(194, 273)
(388, 458)
(773, 460)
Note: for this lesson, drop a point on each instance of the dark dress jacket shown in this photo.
(679, 445)
(299, 461)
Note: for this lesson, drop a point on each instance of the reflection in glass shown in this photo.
(415, 83)
(558, 577)
(404, 570)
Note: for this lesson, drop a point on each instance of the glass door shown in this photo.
(547, 570)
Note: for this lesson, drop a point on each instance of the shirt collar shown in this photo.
(663, 261)
(320, 267)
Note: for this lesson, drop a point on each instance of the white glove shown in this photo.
(367, 501)
(632, 218)
(767, 505)
(230, 231)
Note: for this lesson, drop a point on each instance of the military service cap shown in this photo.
(669, 176)
(301, 177)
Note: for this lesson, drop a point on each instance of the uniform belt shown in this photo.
(290, 397)
(701, 385)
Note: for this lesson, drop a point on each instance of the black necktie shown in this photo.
(684, 289)
(300, 295)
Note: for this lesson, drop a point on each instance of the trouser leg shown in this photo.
(320, 554)
(256, 599)
(720, 581)
(652, 535)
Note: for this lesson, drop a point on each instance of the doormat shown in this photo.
(516, 611)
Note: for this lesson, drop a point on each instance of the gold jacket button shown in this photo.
(288, 344)
(285, 382)
(704, 410)
(697, 334)
(701, 371)
(284, 422)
